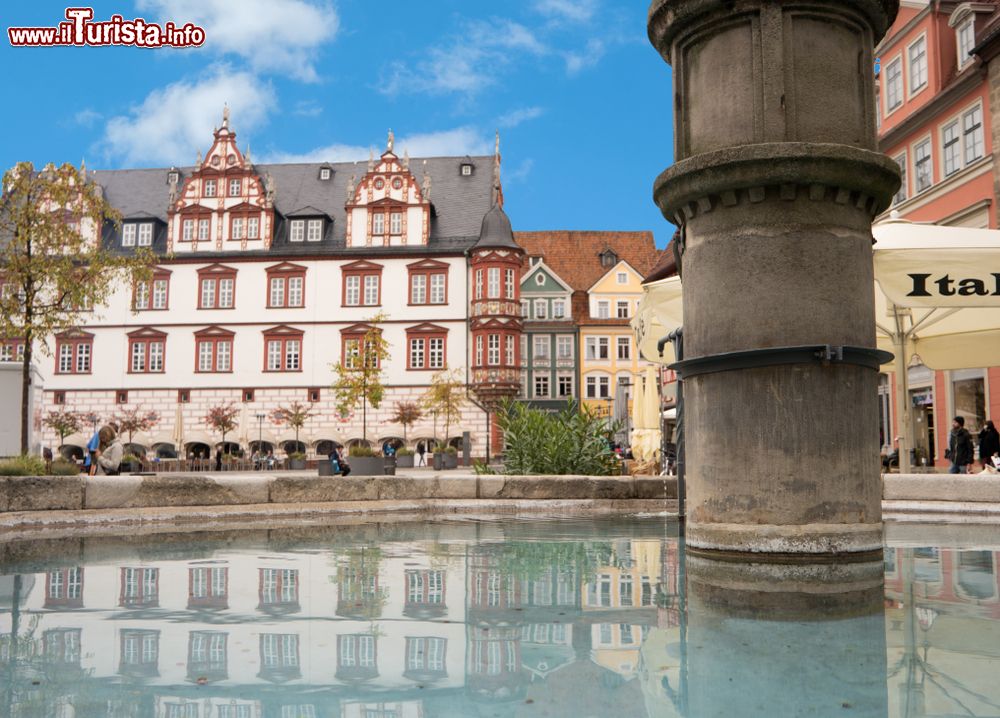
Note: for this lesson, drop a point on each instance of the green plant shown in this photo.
(567, 442)
(482, 468)
(446, 397)
(440, 448)
(61, 467)
(129, 458)
(297, 455)
(451, 450)
(24, 465)
(359, 377)
(361, 450)
(403, 451)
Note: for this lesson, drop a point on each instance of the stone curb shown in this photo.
(67, 493)
(968, 488)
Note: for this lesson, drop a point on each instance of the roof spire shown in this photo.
(406, 159)
(391, 141)
(497, 191)
(225, 115)
(197, 162)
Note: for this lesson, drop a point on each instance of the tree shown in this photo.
(407, 414)
(294, 415)
(446, 397)
(222, 418)
(132, 420)
(359, 377)
(53, 263)
(63, 423)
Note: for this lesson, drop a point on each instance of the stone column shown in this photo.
(775, 185)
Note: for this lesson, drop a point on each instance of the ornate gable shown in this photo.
(224, 204)
(388, 206)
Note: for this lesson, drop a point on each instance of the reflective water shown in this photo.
(504, 618)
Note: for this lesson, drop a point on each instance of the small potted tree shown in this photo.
(294, 415)
(131, 421)
(222, 418)
(364, 461)
(407, 414)
(445, 397)
(63, 423)
(360, 375)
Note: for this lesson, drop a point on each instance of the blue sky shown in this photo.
(581, 99)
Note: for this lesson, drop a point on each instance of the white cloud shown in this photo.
(446, 143)
(174, 122)
(308, 108)
(522, 114)
(519, 173)
(87, 117)
(271, 35)
(571, 10)
(469, 63)
(592, 54)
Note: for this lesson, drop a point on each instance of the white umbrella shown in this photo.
(243, 435)
(937, 296)
(638, 396)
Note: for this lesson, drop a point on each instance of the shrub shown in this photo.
(361, 450)
(451, 450)
(296, 455)
(24, 465)
(567, 442)
(61, 467)
(403, 451)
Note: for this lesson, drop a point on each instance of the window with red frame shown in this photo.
(279, 587)
(428, 286)
(286, 288)
(217, 289)
(74, 354)
(283, 352)
(147, 352)
(152, 294)
(140, 588)
(244, 225)
(426, 351)
(214, 353)
(12, 350)
(64, 588)
(362, 285)
(352, 348)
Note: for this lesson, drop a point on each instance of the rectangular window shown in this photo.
(208, 293)
(235, 186)
(479, 284)
(226, 293)
(352, 293)
(418, 289)
(237, 228)
(209, 188)
(493, 350)
(417, 353)
(215, 355)
(371, 290)
(73, 356)
(284, 354)
(12, 351)
(216, 293)
(901, 194)
(624, 348)
(894, 84)
(541, 308)
(510, 350)
(128, 235)
(564, 386)
(621, 309)
(922, 166)
(146, 234)
(396, 223)
(966, 41)
(295, 291)
(950, 150)
(436, 353)
(297, 230)
(352, 352)
(159, 294)
(541, 386)
(141, 300)
(438, 288)
(525, 308)
(972, 130)
(603, 309)
(559, 309)
(314, 231)
(203, 229)
(509, 283)
(378, 224)
(542, 347)
(598, 387)
(479, 350)
(597, 348)
(147, 356)
(970, 402)
(277, 293)
(564, 347)
(187, 230)
(621, 277)
(253, 228)
(493, 283)
(918, 64)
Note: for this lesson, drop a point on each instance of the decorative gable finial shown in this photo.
(350, 189)
(497, 195)
(225, 116)
(496, 147)
(425, 188)
(390, 142)
(197, 162)
(246, 156)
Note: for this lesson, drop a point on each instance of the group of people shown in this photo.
(961, 451)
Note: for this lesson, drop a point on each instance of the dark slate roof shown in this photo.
(459, 203)
(496, 230)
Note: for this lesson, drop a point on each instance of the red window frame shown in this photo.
(215, 336)
(355, 332)
(246, 216)
(16, 347)
(147, 337)
(426, 269)
(210, 599)
(194, 213)
(141, 599)
(361, 269)
(279, 585)
(75, 340)
(282, 335)
(64, 600)
(159, 275)
(288, 272)
(215, 273)
(424, 333)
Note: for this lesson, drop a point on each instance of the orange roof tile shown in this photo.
(573, 255)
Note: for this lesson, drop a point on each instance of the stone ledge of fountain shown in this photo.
(969, 488)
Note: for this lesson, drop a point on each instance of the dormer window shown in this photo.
(235, 187)
(466, 169)
(209, 188)
(128, 235)
(396, 223)
(297, 230)
(325, 173)
(146, 234)
(378, 224)
(314, 230)
(137, 233)
(966, 41)
(608, 258)
(173, 177)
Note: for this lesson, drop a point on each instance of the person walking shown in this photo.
(959, 447)
(421, 450)
(108, 456)
(989, 444)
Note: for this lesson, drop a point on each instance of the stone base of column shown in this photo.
(804, 540)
